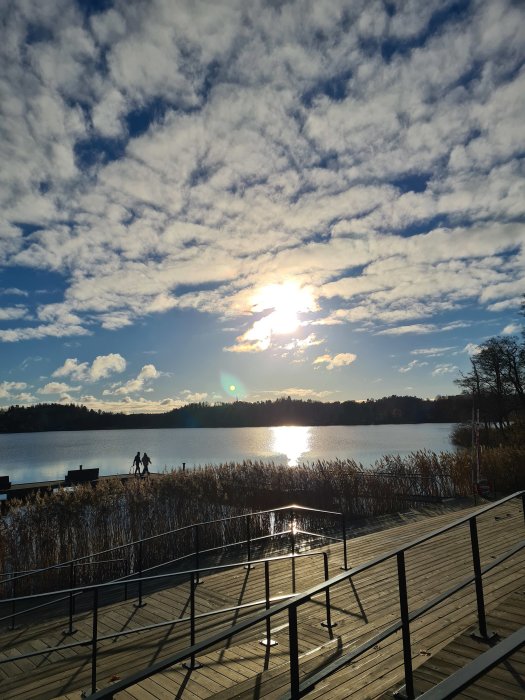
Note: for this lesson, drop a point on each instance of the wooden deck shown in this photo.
(246, 669)
(507, 680)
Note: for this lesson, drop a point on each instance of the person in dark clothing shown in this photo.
(145, 462)
(136, 463)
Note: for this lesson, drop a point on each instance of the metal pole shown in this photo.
(70, 629)
(13, 604)
(140, 604)
(482, 631)
(522, 503)
(193, 663)
(294, 652)
(345, 552)
(268, 642)
(248, 540)
(405, 628)
(94, 642)
(328, 623)
(197, 550)
(292, 531)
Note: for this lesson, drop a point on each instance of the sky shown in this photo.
(247, 199)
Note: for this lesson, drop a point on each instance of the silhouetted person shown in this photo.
(136, 463)
(145, 462)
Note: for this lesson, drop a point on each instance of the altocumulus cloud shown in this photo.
(148, 147)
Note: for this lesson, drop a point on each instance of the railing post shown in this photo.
(248, 544)
(70, 629)
(345, 551)
(197, 551)
(139, 603)
(482, 631)
(13, 627)
(293, 651)
(193, 663)
(522, 503)
(292, 531)
(94, 642)
(268, 642)
(407, 691)
(328, 622)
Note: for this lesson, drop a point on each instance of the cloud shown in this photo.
(158, 160)
(471, 349)
(104, 365)
(412, 365)
(147, 373)
(511, 329)
(56, 388)
(11, 313)
(417, 328)
(7, 388)
(101, 367)
(342, 359)
(433, 352)
(444, 369)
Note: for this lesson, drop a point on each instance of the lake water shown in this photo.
(45, 456)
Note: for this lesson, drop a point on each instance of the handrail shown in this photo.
(464, 677)
(150, 538)
(297, 689)
(145, 628)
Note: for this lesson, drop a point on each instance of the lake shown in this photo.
(45, 456)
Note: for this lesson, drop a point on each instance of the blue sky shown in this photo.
(250, 199)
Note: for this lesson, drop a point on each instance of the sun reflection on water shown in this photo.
(292, 441)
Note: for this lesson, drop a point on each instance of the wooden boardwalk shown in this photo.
(244, 668)
(507, 680)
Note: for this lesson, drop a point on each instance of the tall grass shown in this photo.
(47, 529)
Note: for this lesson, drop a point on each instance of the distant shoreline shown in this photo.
(391, 410)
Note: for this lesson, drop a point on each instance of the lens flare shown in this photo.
(232, 386)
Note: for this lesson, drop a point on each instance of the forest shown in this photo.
(283, 411)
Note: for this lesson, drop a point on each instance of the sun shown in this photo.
(286, 301)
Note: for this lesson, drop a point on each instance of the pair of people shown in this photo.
(146, 461)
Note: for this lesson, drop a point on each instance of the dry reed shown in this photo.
(47, 529)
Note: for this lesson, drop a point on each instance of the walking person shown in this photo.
(136, 464)
(145, 462)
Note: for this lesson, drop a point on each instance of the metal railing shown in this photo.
(135, 563)
(465, 677)
(298, 688)
(193, 576)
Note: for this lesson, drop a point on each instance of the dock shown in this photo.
(244, 668)
(23, 490)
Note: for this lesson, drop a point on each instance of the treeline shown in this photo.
(283, 411)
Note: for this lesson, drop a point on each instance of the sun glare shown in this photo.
(287, 301)
(292, 441)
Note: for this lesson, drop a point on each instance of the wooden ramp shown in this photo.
(246, 669)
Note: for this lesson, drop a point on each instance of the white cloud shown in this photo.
(104, 365)
(7, 389)
(11, 313)
(433, 352)
(444, 369)
(471, 349)
(101, 367)
(147, 373)
(249, 172)
(511, 329)
(56, 388)
(342, 359)
(412, 365)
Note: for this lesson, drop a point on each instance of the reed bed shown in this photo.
(47, 529)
